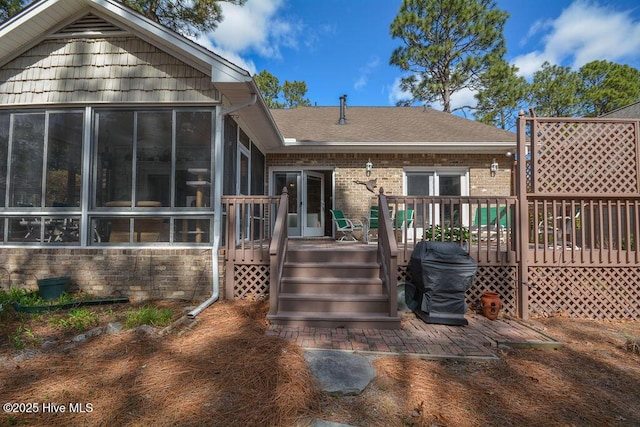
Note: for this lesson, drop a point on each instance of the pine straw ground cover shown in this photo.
(221, 370)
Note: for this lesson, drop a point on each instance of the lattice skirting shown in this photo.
(488, 278)
(585, 292)
(250, 280)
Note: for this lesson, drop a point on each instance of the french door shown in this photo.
(305, 217)
(313, 206)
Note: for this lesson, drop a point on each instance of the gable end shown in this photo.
(98, 70)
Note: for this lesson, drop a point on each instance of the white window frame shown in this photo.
(434, 185)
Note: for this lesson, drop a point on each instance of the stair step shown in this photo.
(335, 320)
(332, 285)
(351, 253)
(332, 269)
(333, 303)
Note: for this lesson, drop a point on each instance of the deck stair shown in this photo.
(332, 287)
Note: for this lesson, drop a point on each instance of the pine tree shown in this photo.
(447, 46)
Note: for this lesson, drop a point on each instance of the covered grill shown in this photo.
(441, 274)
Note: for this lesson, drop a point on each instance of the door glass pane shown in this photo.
(153, 158)
(244, 174)
(115, 158)
(290, 181)
(450, 186)
(64, 159)
(314, 202)
(420, 184)
(193, 159)
(5, 122)
(26, 160)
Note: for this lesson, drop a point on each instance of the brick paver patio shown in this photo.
(477, 341)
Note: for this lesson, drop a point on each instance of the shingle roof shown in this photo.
(631, 111)
(387, 127)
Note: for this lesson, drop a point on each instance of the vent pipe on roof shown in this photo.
(343, 106)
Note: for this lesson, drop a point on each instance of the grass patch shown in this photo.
(149, 315)
(632, 344)
(23, 336)
(79, 319)
(29, 298)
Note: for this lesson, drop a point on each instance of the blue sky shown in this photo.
(343, 46)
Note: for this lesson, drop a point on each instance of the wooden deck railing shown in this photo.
(278, 252)
(485, 226)
(249, 225)
(584, 230)
(388, 254)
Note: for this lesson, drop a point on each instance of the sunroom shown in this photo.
(118, 138)
(146, 174)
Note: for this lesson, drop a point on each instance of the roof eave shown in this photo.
(291, 145)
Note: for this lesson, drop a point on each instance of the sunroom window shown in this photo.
(41, 175)
(150, 162)
(147, 176)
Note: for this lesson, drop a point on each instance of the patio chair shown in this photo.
(345, 225)
(402, 221)
(372, 222)
(559, 230)
(485, 224)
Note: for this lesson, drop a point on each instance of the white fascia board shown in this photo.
(228, 73)
(25, 15)
(26, 28)
(291, 144)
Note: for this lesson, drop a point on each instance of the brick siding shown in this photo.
(354, 199)
(139, 274)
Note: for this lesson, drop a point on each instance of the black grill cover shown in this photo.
(441, 272)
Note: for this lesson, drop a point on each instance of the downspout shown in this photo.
(217, 200)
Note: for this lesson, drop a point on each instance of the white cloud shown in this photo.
(532, 62)
(253, 27)
(230, 56)
(365, 72)
(584, 32)
(396, 93)
(464, 97)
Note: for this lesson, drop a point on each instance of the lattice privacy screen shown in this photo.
(250, 280)
(594, 157)
(585, 292)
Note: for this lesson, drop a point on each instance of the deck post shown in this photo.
(278, 252)
(522, 219)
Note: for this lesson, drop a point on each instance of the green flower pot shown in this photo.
(52, 288)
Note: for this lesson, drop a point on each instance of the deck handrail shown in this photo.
(596, 230)
(484, 226)
(278, 251)
(249, 226)
(387, 254)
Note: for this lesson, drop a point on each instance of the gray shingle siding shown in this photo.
(118, 70)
